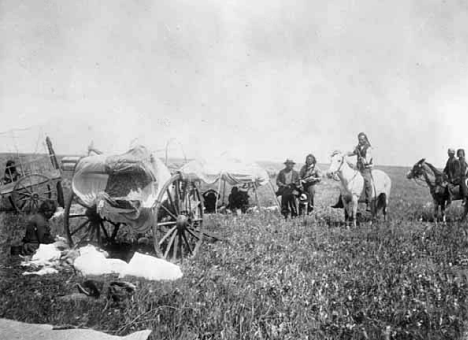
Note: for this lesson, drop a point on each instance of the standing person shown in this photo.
(363, 151)
(463, 175)
(452, 173)
(38, 229)
(287, 182)
(310, 175)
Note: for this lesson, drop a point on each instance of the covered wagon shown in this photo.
(136, 190)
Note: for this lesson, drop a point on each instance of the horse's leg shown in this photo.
(435, 213)
(354, 211)
(442, 211)
(384, 208)
(346, 214)
(465, 212)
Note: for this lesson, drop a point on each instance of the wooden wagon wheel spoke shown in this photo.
(86, 234)
(43, 198)
(21, 186)
(22, 204)
(181, 246)
(177, 196)
(170, 213)
(187, 243)
(35, 187)
(97, 228)
(115, 231)
(165, 224)
(26, 206)
(175, 247)
(179, 237)
(169, 244)
(49, 193)
(171, 202)
(75, 216)
(27, 194)
(81, 226)
(167, 235)
(192, 232)
(104, 229)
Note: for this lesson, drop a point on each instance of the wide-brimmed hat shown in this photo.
(289, 161)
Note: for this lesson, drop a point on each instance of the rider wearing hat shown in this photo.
(364, 165)
(287, 181)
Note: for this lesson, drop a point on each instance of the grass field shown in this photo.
(308, 278)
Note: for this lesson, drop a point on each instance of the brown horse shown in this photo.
(438, 187)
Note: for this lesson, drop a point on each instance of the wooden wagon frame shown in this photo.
(40, 180)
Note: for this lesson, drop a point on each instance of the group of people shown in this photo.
(292, 184)
(237, 200)
(455, 173)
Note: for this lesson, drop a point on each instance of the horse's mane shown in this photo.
(338, 152)
(436, 171)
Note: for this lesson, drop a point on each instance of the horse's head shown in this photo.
(417, 170)
(337, 161)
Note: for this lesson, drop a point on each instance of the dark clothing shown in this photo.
(289, 202)
(367, 175)
(310, 175)
(11, 176)
(463, 176)
(282, 181)
(364, 165)
(210, 198)
(287, 182)
(37, 232)
(239, 200)
(452, 171)
(364, 159)
(309, 190)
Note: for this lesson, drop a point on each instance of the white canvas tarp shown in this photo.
(233, 171)
(124, 187)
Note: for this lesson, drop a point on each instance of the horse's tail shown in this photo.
(382, 203)
(382, 200)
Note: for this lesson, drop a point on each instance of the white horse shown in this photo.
(352, 185)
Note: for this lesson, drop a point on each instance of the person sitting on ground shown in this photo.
(210, 200)
(287, 182)
(238, 199)
(11, 173)
(463, 175)
(310, 175)
(452, 174)
(38, 229)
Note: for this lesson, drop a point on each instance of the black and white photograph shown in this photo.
(184, 170)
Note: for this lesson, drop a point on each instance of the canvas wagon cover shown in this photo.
(233, 171)
(123, 188)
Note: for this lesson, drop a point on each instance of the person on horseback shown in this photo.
(452, 173)
(363, 151)
(310, 175)
(463, 175)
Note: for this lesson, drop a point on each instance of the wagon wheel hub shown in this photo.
(35, 196)
(93, 215)
(182, 222)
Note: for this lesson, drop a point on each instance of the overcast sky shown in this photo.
(264, 79)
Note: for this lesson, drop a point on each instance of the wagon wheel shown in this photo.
(84, 225)
(31, 191)
(179, 212)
